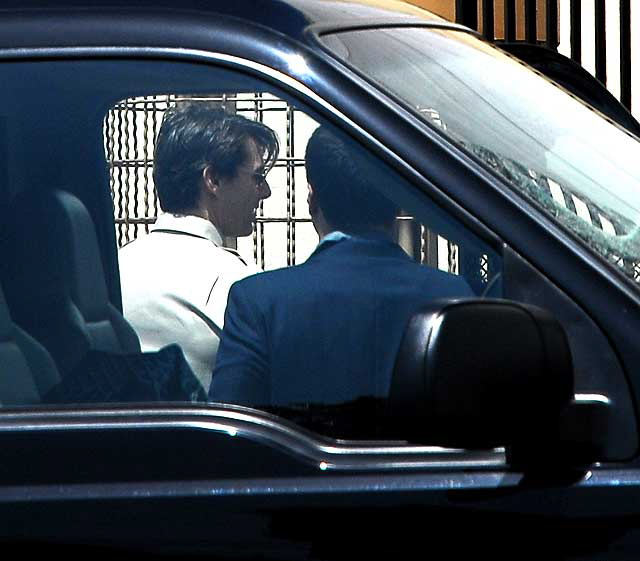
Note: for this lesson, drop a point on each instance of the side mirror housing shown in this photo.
(493, 373)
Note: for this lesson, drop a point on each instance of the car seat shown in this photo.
(27, 371)
(54, 280)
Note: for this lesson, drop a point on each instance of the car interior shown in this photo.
(55, 280)
(31, 368)
(69, 204)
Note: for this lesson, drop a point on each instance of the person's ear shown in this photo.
(311, 200)
(209, 180)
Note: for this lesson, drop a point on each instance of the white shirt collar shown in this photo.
(190, 224)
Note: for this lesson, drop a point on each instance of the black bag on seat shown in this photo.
(103, 377)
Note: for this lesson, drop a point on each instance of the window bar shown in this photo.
(594, 215)
(452, 257)
(625, 53)
(488, 27)
(110, 151)
(530, 21)
(509, 20)
(109, 128)
(576, 31)
(145, 156)
(260, 108)
(429, 247)
(288, 150)
(107, 146)
(259, 227)
(122, 234)
(259, 213)
(136, 169)
(601, 41)
(291, 170)
(484, 268)
(127, 169)
(568, 201)
(154, 128)
(113, 171)
(467, 13)
(552, 24)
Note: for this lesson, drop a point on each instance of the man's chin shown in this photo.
(246, 231)
(239, 232)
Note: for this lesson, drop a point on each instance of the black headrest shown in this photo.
(480, 374)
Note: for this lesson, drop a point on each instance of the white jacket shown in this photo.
(175, 281)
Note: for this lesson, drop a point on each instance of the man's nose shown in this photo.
(264, 191)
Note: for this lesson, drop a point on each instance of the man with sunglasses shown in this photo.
(209, 173)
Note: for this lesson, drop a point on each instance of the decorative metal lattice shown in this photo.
(283, 234)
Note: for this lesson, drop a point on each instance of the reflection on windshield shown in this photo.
(611, 233)
(574, 164)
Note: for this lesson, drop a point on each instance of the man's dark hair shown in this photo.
(344, 180)
(195, 135)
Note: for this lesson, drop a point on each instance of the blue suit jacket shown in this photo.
(326, 331)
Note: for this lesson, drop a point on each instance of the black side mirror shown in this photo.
(493, 373)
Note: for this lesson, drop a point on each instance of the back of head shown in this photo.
(345, 183)
(195, 135)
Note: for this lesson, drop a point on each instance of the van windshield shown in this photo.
(573, 162)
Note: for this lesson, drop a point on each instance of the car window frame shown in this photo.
(280, 80)
(350, 456)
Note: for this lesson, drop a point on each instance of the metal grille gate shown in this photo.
(283, 234)
(539, 21)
